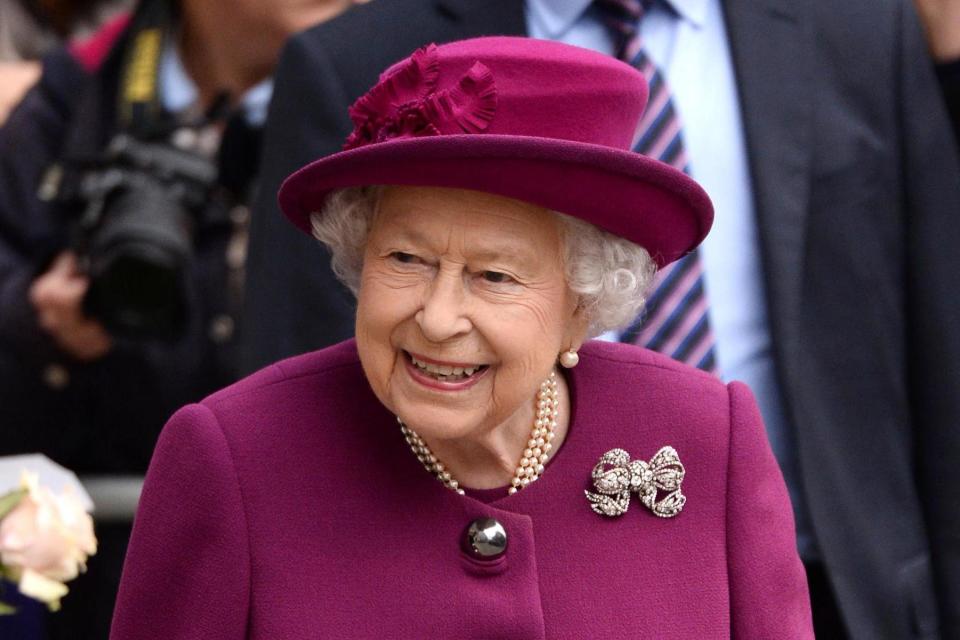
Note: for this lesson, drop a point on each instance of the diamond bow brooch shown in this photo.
(615, 476)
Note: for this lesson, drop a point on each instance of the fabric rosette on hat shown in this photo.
(519, 118)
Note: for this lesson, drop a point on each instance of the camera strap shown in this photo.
(140, 112)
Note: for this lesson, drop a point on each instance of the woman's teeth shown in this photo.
(445, 373)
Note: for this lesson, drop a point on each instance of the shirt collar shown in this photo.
(559, 15)
(693, 11)
(178, 92)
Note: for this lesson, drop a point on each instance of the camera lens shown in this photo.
(139, 259)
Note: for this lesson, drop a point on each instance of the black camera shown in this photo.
(142, 204)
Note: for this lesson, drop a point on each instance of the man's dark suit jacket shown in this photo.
(857, 193)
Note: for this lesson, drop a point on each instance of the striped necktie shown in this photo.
(675, 320)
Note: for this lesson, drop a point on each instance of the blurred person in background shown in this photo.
(819, 132)
(31, 28)
(124, 178)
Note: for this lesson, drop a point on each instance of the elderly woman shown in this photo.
(469, 466)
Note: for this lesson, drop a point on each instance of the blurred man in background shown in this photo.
(818, 130)
(124, 178)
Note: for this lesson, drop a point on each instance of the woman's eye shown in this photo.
(496, 277)
(405, 258)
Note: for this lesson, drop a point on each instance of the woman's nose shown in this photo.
(442, 315)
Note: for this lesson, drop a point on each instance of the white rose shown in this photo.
(45, 540)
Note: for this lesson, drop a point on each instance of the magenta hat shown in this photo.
(538, 121)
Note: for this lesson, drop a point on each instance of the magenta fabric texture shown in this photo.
(539, 121)
(289, 506)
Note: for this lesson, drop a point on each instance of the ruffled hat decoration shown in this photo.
(407, 104)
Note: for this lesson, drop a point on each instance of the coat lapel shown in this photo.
(771, 43)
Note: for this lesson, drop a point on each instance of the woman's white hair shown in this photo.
(609, 274)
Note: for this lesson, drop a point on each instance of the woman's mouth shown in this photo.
(449, 374)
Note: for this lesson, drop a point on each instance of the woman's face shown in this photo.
(463, 308)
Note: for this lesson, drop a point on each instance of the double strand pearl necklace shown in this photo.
(534, 457)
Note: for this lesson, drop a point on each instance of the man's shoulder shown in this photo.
(377, 34)
(389, 19)
(375, 29)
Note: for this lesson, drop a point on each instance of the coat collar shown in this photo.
(772, 44)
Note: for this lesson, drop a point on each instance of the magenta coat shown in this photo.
(288, 506)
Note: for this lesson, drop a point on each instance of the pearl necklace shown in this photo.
(534, 457)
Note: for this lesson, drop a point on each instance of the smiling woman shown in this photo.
(453, 280)
(465, 279)
(486, 238)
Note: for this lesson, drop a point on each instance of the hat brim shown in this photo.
(632, 196)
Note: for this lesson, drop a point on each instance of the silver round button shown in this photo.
(485, 539)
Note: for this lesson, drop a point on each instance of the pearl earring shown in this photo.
(569, 359)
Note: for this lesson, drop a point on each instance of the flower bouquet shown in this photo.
(45, 539)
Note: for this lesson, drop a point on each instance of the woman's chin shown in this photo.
(436, 424)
